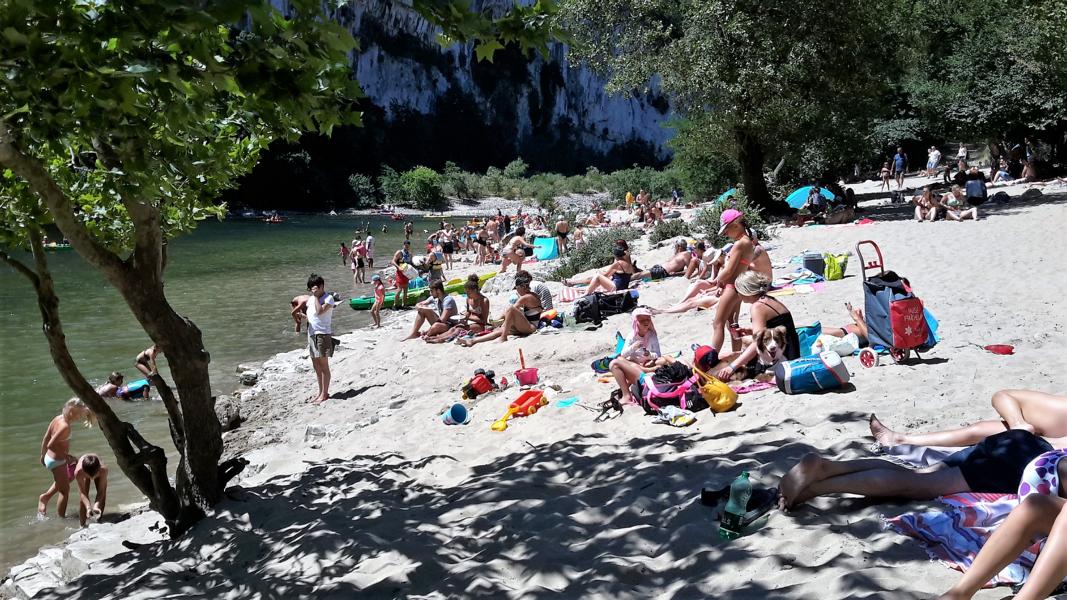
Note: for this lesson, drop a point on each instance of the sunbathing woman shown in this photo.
(858, 326)
(711, 263)
(474, 321)
(640, 355)
(745, 254)
(766, 313)
(616, 277)
(520, 319)
(1037, 412)
(619, 245)
(955, 206)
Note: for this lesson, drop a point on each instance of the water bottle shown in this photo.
(736, 507)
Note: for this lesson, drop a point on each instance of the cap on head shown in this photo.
(727, 217)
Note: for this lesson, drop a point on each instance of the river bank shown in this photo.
(371, 494)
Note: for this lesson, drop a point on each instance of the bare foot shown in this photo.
(42, 506)
(884, 435)
(797, 479)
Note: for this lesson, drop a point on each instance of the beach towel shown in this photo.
(570, 294)
(545, 248)
(955, 536)
(755, 386)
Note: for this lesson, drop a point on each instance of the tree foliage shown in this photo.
(765, 77)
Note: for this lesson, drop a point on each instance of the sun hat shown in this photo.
(705, 357)
(712, 255)
(375, 277)
(728, 216)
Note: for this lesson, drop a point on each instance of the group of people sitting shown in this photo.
(959, 203)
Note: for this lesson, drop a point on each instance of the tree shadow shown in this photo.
(581, 516)
(352, 393)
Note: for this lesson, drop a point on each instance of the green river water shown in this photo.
(234, 279)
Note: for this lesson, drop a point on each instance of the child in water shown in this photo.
(344, 252)
(55, 454)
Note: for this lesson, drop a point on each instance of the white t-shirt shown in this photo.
(322, 322)
(370, 245)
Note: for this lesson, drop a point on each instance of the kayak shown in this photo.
(366, 302)
(56, 247)
(454, 286)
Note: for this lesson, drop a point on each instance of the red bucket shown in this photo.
(526, 376)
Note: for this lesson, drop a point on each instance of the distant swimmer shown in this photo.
(111, 388)
(146, 361)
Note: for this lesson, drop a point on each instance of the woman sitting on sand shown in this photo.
(745, 254)
(925, 205)
(55, 454)
(625, 257)
(712, 263)
(520, 319)
(615, 277)
(766, 313)
(475, 320)
(955, 205)
(640, 354)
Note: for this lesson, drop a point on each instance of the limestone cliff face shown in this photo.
(526, 101)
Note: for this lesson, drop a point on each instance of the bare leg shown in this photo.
(1034, 517)
(727, 302)
(919, 213)
(696, 288)
(599, 283)
(61, 487)
(519, 324)
(625, 373)
(955, 438)
(1039, 412)
(423, 315)
(815, 476)
(688, 305)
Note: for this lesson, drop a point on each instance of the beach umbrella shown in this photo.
(799, 197)
(725, 195)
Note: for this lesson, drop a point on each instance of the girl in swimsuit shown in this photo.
(55, 454)
(616, 277)
(766, 313)
(745, 255)
(146, 361)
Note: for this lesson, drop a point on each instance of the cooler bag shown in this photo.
(810, 374)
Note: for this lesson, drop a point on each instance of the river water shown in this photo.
(234, 279)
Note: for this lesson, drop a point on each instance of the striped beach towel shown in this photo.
(570, 294)
(955, 536)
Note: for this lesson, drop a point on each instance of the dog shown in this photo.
(770, 346)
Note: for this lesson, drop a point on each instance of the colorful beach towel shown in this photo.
(955, 536)
(570, 294)
(755, 386)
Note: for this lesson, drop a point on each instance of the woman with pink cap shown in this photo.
(640, 354)
(745, 255)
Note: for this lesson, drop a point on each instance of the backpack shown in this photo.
(672, 384)
(594, 309)
(809, 374)
(976, 191)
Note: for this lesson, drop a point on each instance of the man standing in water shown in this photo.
(320, 334)
(409, 228)
(370, 249)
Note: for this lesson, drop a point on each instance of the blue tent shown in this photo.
(725, 195)
(799, 197)
(545, 248)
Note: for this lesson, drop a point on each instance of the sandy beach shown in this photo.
(370, 495)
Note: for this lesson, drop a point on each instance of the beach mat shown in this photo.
(545, 248)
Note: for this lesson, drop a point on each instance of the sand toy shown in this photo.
(525, 405)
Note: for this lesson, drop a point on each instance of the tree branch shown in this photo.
(20, 267)
(59, 205)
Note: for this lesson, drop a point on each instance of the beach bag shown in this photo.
(836, 264)
(718, 396)
(976, 191)
(807, 336)
(671, 384)
(811, 374)
(599, 306)
(908, 322)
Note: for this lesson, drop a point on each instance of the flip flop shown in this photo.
(760, 502)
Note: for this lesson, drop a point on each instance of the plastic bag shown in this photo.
(836, 264)
(675, 416)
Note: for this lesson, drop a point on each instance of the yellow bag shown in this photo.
(836, 264)
(719, 396)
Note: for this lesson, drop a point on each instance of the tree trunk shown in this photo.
(750, 161)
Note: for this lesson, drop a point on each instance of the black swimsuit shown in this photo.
(792, 340)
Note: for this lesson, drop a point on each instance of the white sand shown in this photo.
(372, 496)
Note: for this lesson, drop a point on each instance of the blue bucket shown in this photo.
(457, 414)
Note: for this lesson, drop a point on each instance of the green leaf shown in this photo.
(486, 48)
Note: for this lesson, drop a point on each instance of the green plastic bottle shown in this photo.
(736, 507)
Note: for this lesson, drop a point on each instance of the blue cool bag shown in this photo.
(811, 374)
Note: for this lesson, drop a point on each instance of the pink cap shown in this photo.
(728, 216)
